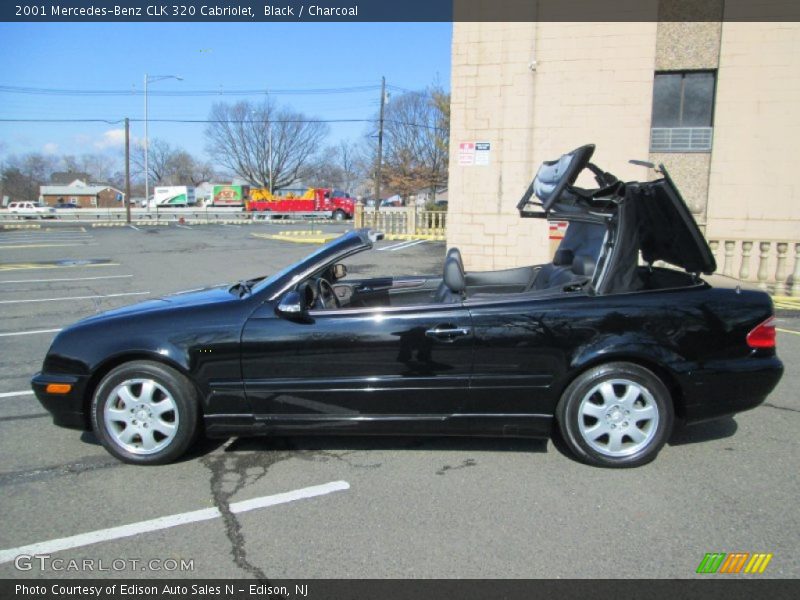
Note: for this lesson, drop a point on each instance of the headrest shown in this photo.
(563, 257)
(454, 275)
(455, 252)
(583, 265)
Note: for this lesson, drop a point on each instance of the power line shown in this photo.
(235, 121)
(9, 89)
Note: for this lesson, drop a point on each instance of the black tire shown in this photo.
(338, 215)
(629, 431)
(168, 404)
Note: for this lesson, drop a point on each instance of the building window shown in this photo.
(683, 111)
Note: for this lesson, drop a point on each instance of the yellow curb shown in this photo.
(301, 232)
(787, 304)
(31, 226)
(297, 239)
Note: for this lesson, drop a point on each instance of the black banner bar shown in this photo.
(707, 587)
(275, 11)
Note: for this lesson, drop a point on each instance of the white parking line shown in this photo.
(182, 226)
(205, 514)
(64, 279)
(12, 394)
(14, 333)
(46, 238)
(134, 227)
(408, 245)
(73, 298)
(393, 246)
(25, 246)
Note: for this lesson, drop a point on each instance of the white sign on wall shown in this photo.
(483, 151)
(466, 153)
(474, 154)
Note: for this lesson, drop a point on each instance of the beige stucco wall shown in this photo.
(534, 91)
(753, 185)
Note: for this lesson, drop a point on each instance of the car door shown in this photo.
(523, 349)
(406, 362)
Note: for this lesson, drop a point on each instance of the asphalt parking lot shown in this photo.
(354, 507)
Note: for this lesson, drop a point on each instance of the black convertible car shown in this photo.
(600, 342)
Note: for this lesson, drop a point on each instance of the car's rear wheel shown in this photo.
(616, 415)
(145, 413)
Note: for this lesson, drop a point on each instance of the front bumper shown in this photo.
(729, 387)
(68, 410)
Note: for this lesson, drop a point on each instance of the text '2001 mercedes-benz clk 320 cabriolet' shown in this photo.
(600, 345)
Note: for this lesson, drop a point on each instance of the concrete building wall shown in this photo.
(753, 185)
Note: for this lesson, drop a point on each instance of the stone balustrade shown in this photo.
(774, 265)
(406, 220)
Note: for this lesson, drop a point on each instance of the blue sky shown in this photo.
(229, 56)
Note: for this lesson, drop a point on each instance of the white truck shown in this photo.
(31, 210)
(172, 196)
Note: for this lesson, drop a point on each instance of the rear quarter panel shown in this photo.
(693, 338)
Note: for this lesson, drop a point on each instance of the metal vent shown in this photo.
(681, 139)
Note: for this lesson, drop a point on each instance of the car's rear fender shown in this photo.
(637, 349)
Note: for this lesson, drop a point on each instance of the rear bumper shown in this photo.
(729, 387)
(68, 410)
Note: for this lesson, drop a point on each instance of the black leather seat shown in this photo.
(553, 272)
(442, 291)
(580, 272)
(454, 283)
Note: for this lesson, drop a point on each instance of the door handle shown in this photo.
(447, 334)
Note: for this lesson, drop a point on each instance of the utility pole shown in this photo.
(269, 124)
(379, 166)
(146, 149)
(128, 170)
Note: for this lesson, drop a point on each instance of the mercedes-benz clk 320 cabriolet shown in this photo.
(600, 345)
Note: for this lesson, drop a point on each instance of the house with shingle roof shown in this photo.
(85, 195)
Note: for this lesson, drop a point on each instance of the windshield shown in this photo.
(342, 246)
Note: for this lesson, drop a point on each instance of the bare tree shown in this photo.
(171, 166)
(183, 168)
(340, 167)
(22, 175)
(98, 167)
(417, 129)
(159, 156)
(255, 141)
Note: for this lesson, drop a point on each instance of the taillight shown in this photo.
(763, 336)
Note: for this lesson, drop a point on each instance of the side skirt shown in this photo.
(486, 425)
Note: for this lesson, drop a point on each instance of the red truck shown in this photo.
(339, 204)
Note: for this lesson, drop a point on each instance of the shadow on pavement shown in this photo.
(703, 432)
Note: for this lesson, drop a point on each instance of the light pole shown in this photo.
(150, 79)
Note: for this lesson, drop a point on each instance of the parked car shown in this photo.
(612, 352)
(67, 205)
(31, 210)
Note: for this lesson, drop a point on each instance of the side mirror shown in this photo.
(339, 271)
(292, 306)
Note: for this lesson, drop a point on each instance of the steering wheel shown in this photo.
(326, 296)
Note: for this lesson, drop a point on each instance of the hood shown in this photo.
(667, 231)
(198, 297)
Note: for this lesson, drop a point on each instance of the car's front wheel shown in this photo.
(145, 413)
(616, 415)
